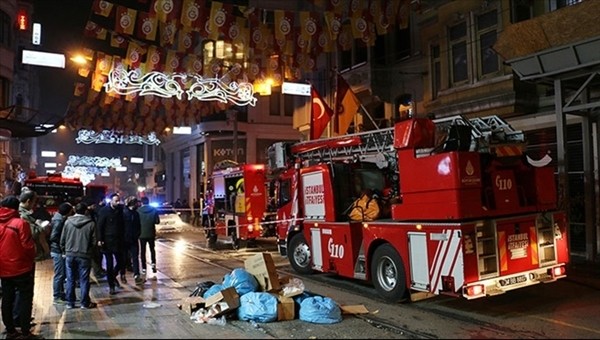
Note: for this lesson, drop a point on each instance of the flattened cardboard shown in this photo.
(227, 299)
(191, 304)
(354, 309)
(263, 268)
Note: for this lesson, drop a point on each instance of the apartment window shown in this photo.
(380, 51)
(520, 10)
(402, 44)
(4, 92)
(458, 53)
(288, 105)
(6, 25)
(275, 101)
(557, 4)
(436, 71)
(361, 52)
(345, 60)
(486, 34)
(354, 57)
(219, 50)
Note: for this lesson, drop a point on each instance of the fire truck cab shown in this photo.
(461, 210)
(54, 189)
(240, 202)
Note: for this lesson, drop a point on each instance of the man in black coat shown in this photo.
(132, 236)
(94, 207)
(111, 229)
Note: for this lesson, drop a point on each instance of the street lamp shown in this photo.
(79, 59)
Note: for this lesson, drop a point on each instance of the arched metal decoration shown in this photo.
(114, 137)
(156, 83)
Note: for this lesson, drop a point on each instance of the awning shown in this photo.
(558, 28)
(14, 128)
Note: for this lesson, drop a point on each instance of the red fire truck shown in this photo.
(463, 212)
(240, 197)
(54, 189)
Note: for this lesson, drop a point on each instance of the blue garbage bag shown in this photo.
(241, 280)
(257, 306)
(305, 295)
(214, 289)
(319, 309)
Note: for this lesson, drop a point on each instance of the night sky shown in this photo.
(63, 22)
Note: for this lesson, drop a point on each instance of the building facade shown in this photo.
(8, 15)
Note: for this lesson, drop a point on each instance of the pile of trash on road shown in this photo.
(255, 293)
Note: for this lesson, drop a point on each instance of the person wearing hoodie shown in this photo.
(17, 269)
(76, 242)
(148, 220)
(58, 220)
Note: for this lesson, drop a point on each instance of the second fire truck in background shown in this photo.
(241, 199)
(55, 189)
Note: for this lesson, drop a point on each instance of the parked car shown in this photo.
(170, 220)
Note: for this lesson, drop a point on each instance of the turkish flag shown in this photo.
(320, 115)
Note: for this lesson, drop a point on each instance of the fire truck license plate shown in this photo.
(515, 279)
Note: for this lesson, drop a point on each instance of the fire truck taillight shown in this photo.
(557, 271)
(475, 290)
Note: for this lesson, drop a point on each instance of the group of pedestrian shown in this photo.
(121, 230)
(76, 238)
(23, 240)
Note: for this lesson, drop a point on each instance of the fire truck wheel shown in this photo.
(387, 273)
(299, 255)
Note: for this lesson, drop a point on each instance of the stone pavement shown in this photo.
(124, 315)
(129, 314)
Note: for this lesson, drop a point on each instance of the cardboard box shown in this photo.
(263, 268)
(227, 300)
(286, 308)
(191, 304)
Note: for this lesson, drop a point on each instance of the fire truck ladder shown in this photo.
(490, 134)
(375, 146)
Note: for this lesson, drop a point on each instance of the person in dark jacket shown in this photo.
(93, 209)
(76, 242)
(110, 234)
(148, 220)
(58, 220)
(132, 236)
(41, 212)
(17, 268)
